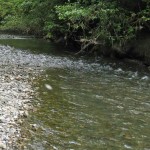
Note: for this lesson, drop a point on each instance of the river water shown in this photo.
(94, 104)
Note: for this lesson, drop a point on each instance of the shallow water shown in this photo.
(92, 105)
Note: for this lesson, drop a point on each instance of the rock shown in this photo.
(20, 122)
(48, 87)
(25, 148)
(25, 114)
(2, 145)
(34, 127)
(18, 78)
(145, 78)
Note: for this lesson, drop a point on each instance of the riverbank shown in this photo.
(16, 95)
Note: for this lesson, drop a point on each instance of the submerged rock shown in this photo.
(49, 87)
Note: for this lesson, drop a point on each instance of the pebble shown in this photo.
(49, 87)
(34, 127)
(20, 122)
(25, 114)
(145, 78)
(2, 145)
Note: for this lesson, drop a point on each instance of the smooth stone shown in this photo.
(34, 127)
(49, 87)
(2, 145)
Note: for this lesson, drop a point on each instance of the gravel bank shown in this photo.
(16, 94)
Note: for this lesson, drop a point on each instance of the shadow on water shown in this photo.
(36, 46)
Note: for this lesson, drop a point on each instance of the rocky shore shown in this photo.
(16, 95)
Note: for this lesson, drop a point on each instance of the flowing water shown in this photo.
(93, 104)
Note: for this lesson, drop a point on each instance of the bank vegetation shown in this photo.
(107, 27)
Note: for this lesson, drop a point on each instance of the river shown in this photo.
(92, 104)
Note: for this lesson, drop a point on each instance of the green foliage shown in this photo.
(105, 22)
(102, 22)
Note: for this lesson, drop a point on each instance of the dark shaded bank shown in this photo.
(138, 50)
(141, 49)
